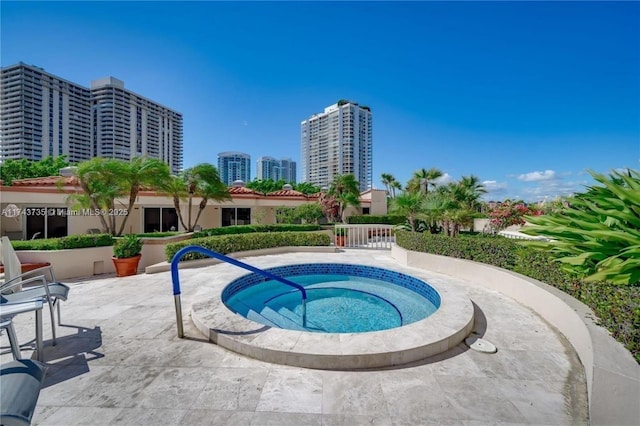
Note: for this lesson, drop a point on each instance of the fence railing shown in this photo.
(369, 236)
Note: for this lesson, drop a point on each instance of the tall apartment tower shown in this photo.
(337, 141)
(127, 125)
(234, 166)
(288, 170)
(267, 168)
(270, 168)
(43, 115)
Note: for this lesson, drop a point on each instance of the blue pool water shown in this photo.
(340, 298)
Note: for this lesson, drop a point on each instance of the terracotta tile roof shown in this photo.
(285, 193)
(47, 181)
(241, 190)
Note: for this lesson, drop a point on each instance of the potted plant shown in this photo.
(126, 255)
(341, 236)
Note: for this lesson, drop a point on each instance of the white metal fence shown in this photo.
(370, 236)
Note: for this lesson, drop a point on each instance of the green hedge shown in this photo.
(494, 250)
(69, 242)
(377, 219)
(242, 242)
(247, 229)
(617, 306)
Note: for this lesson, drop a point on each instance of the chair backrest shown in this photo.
(12, 267)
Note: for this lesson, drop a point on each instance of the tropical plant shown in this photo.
(422, 179)
(306, 188)
(285, 214)
(341, 232)
(345, 189)
(410, 205)
(598, 234)
(127, 246)
(23, 169)
(309, 212)
(471, 191)
(265, 186)
(509, 214)
(105, 180)
(390, 183)
(203, 181)
(330, 207)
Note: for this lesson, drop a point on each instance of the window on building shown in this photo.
(160, 219)
(43, 222)
(366, 210)
(236, 216)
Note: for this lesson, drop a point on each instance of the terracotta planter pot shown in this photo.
(126, 266)
(341, 240)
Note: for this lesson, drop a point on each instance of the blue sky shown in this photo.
(524, 95)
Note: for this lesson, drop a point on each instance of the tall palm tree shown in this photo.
(101, 182)
(474, 189)
(143, 172)
(386, 179)
(395, 185)
(423, 178)
(202, 180)
(345, 189)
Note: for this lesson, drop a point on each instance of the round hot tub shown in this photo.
(357, 316)
(340, 298)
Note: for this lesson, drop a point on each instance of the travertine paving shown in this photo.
(119, 361)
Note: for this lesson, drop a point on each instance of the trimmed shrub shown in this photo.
(62, 243)
(376, 219)
(242, 242)
(246, 229)
(158, 234)
(492, 250)
(617, 307)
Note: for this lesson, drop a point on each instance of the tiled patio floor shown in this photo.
(119, 361)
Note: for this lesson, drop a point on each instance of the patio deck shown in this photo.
(119, 360)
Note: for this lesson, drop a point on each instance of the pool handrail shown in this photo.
(175, 278)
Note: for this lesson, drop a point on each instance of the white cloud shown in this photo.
(495, 188)
(444, 179)
(537, 176)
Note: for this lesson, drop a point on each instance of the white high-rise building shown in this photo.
(337, 141)
(127, 125)
(44, 115)
(234, 166)
(270, 168)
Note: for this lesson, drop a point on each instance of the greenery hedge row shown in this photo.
(247, 229)
(377, 219)
(69, 242)
(617, 306)
(242, 242)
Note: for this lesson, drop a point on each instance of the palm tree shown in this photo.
(422, 179)
(202, 180)
(474, 189)
(390, 183)
(395, 185)
(386, 179)
(409, 204)
(143, 172)
(345, 189)
(101, 182)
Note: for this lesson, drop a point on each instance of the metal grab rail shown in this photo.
(175, 278)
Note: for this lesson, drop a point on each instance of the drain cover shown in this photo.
(481, 345)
